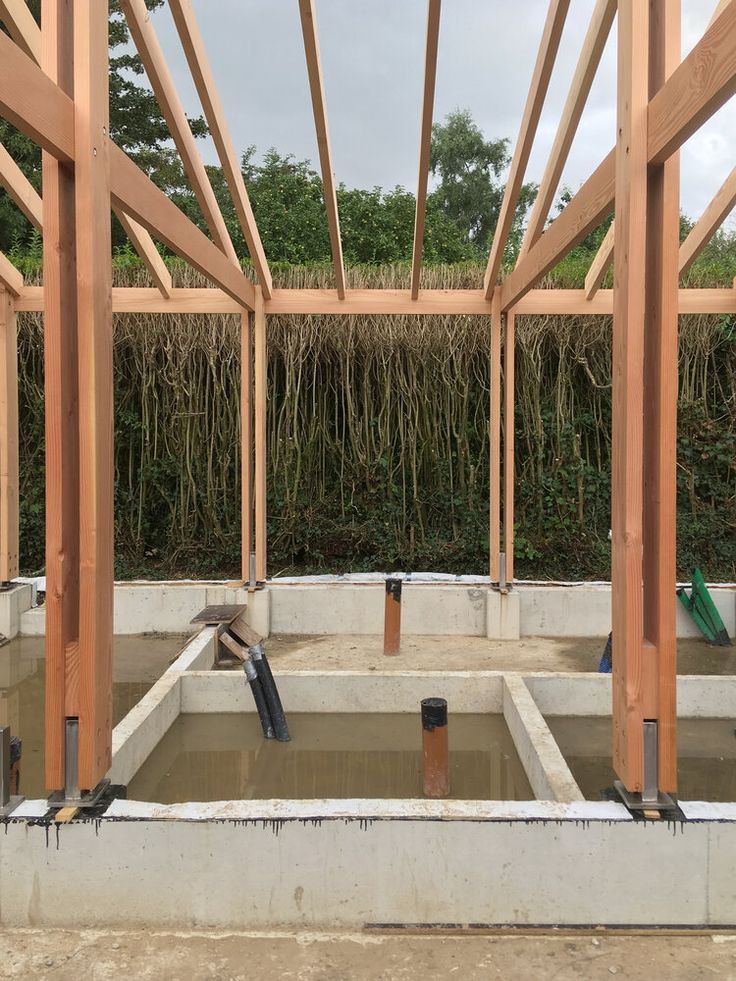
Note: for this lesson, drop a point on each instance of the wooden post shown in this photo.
(8, 439)
(94, 335)
(246, 445)
(261, 389)
(508, 443)
(494, 465)
(644, 403)
(62, 412)
(660, 404)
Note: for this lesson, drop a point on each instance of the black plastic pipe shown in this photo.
(273, 700)
(260, 699)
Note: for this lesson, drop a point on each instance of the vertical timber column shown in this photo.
(8, 438)
(509, 368)
(261, 369)
(62, 413)
(246, 443)
(494, 465)
(660, 405)
(94, 325)
(629, 683)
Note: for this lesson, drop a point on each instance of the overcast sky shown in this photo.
(372, 58)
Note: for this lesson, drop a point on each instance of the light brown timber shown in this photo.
(20, 189)
(246, 444)
(261, 396)
(601, 263)
(494, 430)
(9, 519)
(711, 219)
(509, 386)
(11, 278)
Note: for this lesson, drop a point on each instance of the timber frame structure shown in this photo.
(54, 88)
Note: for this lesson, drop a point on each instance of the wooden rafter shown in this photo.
(10, 277)
(319, 108)
(20, 189)
(199, 66)
(546, 56)
(144, 246)
(21, 26)
(711, 219)
(590, 56)
(600, 264)
(149, 49)
(425, 140)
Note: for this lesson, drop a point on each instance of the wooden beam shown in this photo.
(94, 329)
(590, 56)
(509, 386)
(144, 246)
(660, 409)
(23, 29)
(720, 7)
(149, 49)
(61, 412)
(9, 519)
(11, 278)
(261, 399)
(319, 108)
(246, 446)
(601, 263)
(702, 83)
(199, 66)
(711, 219)
(139, 198)
(20, 189)
(494, 446)
(556, 14)
(425, 139)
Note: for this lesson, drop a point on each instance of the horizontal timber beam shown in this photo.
(703, 82)
(449, 303)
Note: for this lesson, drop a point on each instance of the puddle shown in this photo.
(137, 663)
(371, 755)
(706, 751)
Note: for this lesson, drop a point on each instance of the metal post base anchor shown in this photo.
(638, 802)
(87, 799)
(8, 801)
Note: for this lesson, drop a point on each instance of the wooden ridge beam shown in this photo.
(152, 57)
(556, 14)
(590, 56)
(319, 108)
(425, 140)
(701, 84)
(712, 218)
(199, 66)
(601, 262)
(20, 189)
(11, 277)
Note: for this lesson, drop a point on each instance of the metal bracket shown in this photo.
(87, 799)
(8, 801)
(637, 802)
(651, 798)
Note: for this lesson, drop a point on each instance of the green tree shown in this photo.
(469, 190)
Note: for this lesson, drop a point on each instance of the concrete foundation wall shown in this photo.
(350, 864)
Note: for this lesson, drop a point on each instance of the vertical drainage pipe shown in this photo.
(259, 698)
(435, 750)
(270, 692)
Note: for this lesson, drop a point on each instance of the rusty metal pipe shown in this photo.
(435, 750)
(392, 617)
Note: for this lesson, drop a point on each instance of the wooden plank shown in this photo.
(154, 62)
(23, 29)
(720, 7)
(711, 219)
(660, 411)
(261, 397)
(319, 108)
(144, 246)
(494, 430)
(359, 302)
(199, 66)
(425, 139)
(11, 278)
(601, 263)
(94, 336)
(246, 444)
(62, 415)
(509, 478)
(556, 14)
(9, 519)
(20, 189)
(628, 392)
(590, 55)
(140, 199)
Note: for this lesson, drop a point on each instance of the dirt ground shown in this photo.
(365, 653)
(66, 955)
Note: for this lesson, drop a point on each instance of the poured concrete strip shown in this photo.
(199, 653)
(347, 691)
(142, 729)
(545, 766)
